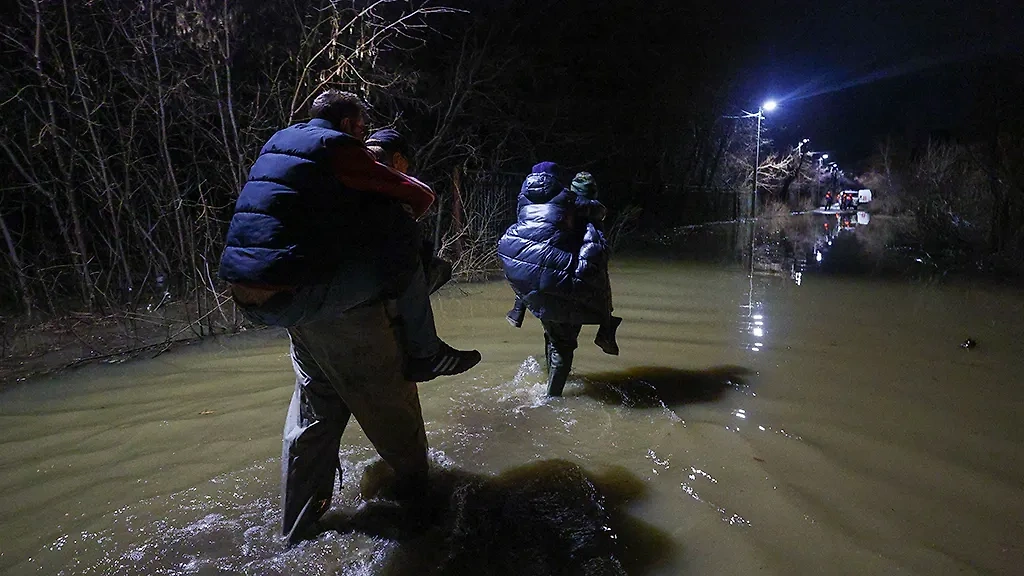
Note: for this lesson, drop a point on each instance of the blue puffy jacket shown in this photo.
(541, 254)
(296, 223)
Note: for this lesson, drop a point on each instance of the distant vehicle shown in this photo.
(850, 199)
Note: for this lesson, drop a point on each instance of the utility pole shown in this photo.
(757, 163)
(766, 107)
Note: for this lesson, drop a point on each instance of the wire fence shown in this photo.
(480, 208)
(494, 195)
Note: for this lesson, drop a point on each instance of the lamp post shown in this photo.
(833, 171)
(766, 107)
(820, 176)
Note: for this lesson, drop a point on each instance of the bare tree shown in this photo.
(129, 128)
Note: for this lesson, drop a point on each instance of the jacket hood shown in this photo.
(585, 186)
(540, 188)
(547, 168)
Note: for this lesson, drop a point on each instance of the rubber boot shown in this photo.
(606, 336)
(561, 364)
(547, 354)
(307, 525)
(515, 317)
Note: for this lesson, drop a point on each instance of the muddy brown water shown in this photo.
(763, 417)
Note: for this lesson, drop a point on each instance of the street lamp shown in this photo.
(826, 172)
(766, 107)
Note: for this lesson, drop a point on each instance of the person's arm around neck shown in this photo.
(356, 168)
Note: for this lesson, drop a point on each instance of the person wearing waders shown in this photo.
(555, 258)
(322, 243)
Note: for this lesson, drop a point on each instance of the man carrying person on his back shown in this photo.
(593, 213)
(556, 261)
(321, 243)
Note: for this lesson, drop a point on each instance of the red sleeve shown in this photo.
(356, 168)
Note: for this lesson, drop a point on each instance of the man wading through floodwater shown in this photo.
(556, 259)
(322, 243)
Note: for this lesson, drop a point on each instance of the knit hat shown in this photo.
(391, 141)
(584, 185)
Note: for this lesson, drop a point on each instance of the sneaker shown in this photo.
(447, 362)
(606, 336)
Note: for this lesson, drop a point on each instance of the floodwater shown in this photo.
(773, 411)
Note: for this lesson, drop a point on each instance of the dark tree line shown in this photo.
(963, 186)
(637, 94)
(128, 129)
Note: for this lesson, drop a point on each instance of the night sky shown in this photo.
(846, 74)
(849, 73)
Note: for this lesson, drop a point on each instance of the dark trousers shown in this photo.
(560, 341)
(348, 365)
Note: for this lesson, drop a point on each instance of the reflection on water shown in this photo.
(799, 246)
(771, 412)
